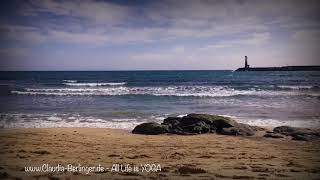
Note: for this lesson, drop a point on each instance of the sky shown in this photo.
(157, 35)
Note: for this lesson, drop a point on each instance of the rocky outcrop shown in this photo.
(193, 124)
(287, 130)
(151, 129)
(300, 134)
(197, 124)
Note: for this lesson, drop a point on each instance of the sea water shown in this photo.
(123, 99)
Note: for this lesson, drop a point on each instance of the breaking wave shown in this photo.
(95, 84)
(70, 81)
(296, 87)
(198, 91)
(22, 120)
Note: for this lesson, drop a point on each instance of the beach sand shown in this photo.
(206, 156)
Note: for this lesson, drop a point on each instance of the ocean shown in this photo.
(123, 99)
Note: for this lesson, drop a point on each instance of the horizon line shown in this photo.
(118, 70)
(153, 69)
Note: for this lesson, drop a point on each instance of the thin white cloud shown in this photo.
(308, 35)
(127, 35)
(306, 45)
(77, 38)
(206, 20)
(257, 38)
(26, 34)
(170, 20)
(15, 52)
(95, 11)
(211, 55)
(209, 31)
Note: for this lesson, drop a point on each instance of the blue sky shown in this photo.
(157, 35)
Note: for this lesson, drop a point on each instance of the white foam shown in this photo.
(96, 84)
(63, 120)
(275, 123)
(229, 116)
(54, 118)
(70, 81)
(182, 115)
(124, 119)
(159, 118)
(295, 87)
(44, 124)
(198, 91)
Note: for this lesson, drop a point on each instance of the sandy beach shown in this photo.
(151, 89)
(208, 156)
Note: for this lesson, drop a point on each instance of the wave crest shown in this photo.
(296, 87)
(70, 81)
(197, 91)
(95, 84)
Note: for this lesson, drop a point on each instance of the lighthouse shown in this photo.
(246, 65)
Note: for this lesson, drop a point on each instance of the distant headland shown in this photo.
(282, 68)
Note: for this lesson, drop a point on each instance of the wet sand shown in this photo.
(207, 156)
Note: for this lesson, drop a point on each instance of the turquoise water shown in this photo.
(122, 99)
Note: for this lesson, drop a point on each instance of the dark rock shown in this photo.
(196, 124)
(150, 128)
(304, 137)
(272, 135)
(190, 124)
(205, 123)
(299, 137)
(301, 134)
(238, 129)
(172, 121)
(287, 130)
(245, 129)
(198, 128)
(218, 122)
(229, 131)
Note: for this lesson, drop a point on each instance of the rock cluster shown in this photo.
(301, 134)
(196, 124)
(193, 124)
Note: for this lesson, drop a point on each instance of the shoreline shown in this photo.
(109, 122)
(181, 157)
(267, 126)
